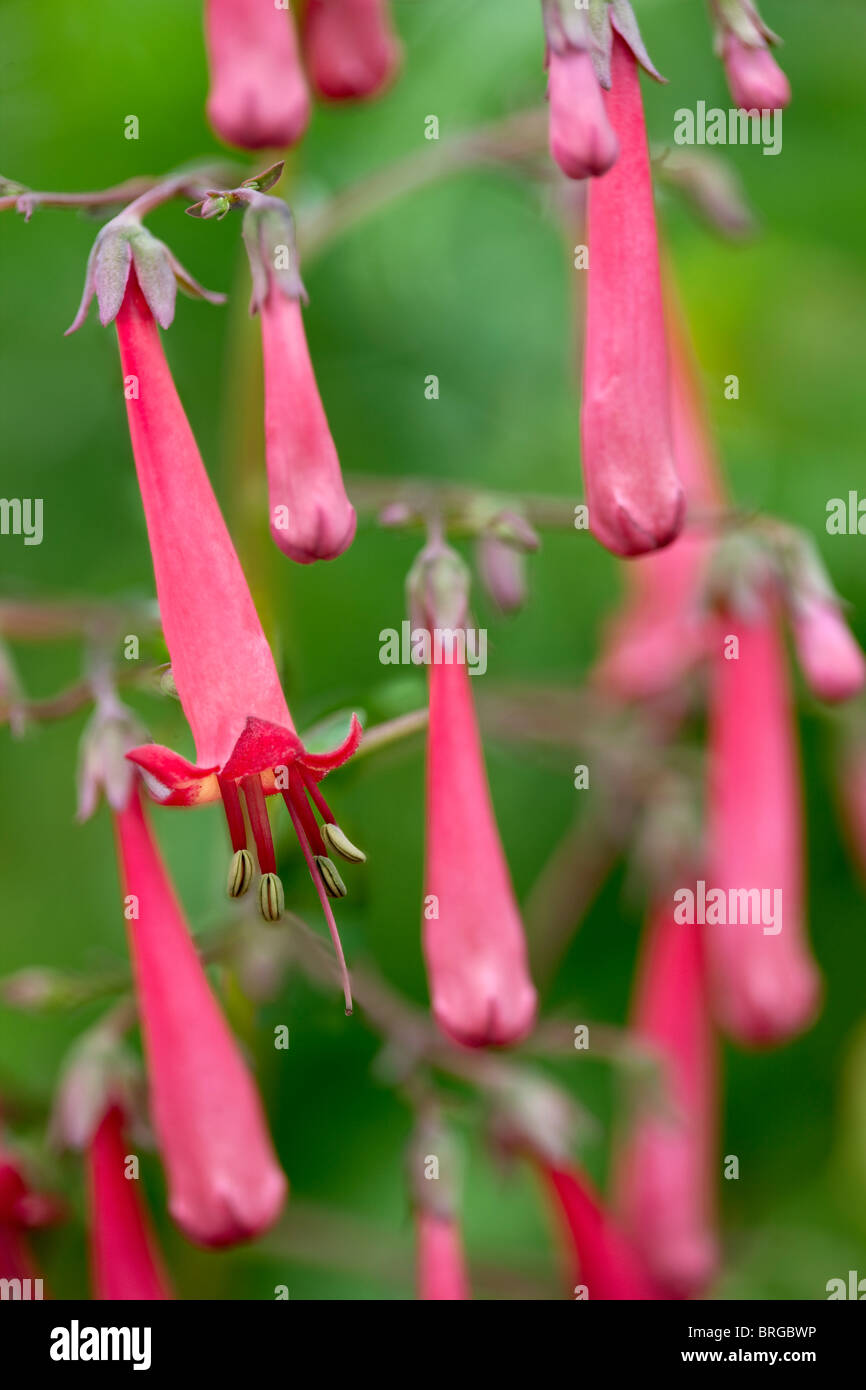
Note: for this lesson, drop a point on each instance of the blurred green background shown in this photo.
(469, 279)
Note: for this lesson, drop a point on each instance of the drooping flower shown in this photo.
(440, 1263)
(582, 141)
(662, 629)
(441, 1270)
(606, 1265)
(665, 1188)
(635, 498)
(225, 1183)
(832, 663)
(350, 48)
(124, 1259)
(222, 665)
(258, 96)
(311, 517)
(756, 81)
(764, 984)
(472, 934)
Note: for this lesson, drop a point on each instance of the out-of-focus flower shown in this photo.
(440, 1263)
(635, 497)
(831, 660)
(441, 1271)
(765, 987)
(225, 1184)
(351, 49)
(666, 1166)
(125, 1263)
(21, 1211)
(605, 1263)
(258, 95)
(743, 42)
(662, 629)
(473, 936)
(500, 554)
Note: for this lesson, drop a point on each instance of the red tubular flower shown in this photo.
(350, 47)
(225, 1184)
(756, 81)
(635, 498)
(473, 935)
(662, 631)
(222, 665)
(764, 984)
(665, 1169)
(258, 97)
(441, 1268)
(311, 517)
(123, 1254)
(475, 947)
(582, 140)
(604, 1261)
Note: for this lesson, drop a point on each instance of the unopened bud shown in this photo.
(272, 899)
(240, 873)
(331, 876)
(437, 588)
(337, 840)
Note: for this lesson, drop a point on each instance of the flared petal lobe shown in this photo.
(311, 517)
(225, 1184)
(765, 987)
(221, 662)
(123, 1253)
(258, 95)
(635, 498)
(473, 936)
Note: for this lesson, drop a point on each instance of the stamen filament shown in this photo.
(318, 800)
(234, 813)
(257, 809)
(308, 820)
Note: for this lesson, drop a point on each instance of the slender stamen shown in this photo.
(308, 820)
(234, 813)
(323, 898)
(257, 810)
(319, 801)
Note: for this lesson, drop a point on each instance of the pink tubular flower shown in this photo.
(661, 631)
(225, 1184)
(605, 1264)
(350, 47)
(123, 1254)
(223, 668)
(310, 515)
(635, 498)
(258, 97)
(473, 936)
(582, 141)
(441, 1269)
(756, 81)
(833, 664)
(764, 984)
(665, 1169)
